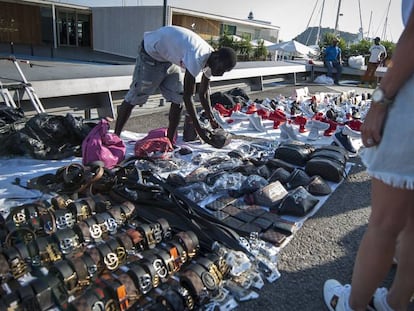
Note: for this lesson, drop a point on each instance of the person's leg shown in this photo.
(329, 67)
(124, 112)
(174, 118)
(389, 215)
(171, 88)
(402, 288)
(338, 68)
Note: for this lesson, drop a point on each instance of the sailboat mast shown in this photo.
(337, 17)
(320, 24)
(384, 32)
(361, 29)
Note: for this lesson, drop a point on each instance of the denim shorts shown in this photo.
(150, 75)
(392, 161)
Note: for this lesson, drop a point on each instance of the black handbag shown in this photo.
(329, 162)
(298, 202)
(294, 153)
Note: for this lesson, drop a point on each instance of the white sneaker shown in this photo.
(238, 115)
(380, 300)
(287, 132)
(336, 295)
(315, 127)
(350, 132)
(219, 118)
(256, 122)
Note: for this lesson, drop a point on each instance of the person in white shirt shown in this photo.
(169, 60)
(378, 53)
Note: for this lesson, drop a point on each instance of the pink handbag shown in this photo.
(101, 145)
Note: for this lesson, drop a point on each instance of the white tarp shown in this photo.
(293, 47)
(265, 42)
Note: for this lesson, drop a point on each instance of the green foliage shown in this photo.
(363, 46)
(260, 52)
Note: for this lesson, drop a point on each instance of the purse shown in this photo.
(294, 153)
(298, 202)
(270, 195)
(101, 145)
(329, 162)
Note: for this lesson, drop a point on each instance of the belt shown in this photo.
(143, 49)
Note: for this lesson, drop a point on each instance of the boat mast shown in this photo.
(361, 30)
(320, 24)
(384, 32)
(337, 17)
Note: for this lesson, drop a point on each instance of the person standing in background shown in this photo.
(378, 53)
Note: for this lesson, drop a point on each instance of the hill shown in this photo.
(308, 37)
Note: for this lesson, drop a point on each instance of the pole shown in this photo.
(337, 17)
(320, 24)
(164, 17)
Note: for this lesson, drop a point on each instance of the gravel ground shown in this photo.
(326, 245)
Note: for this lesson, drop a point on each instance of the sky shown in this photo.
(293, 16)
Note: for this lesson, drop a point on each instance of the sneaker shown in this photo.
(345, 142)
(287, 132)
(222, 110)
(238, 115)
(219, 119)
(347, 130)
(336, 295)
(256, 122)
(379, 301)
(315, 126)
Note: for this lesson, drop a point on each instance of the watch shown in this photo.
(378, 96)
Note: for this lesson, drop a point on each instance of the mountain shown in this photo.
(308, 37)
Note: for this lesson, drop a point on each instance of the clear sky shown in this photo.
(293, 16)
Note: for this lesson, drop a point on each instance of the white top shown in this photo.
(376, 51)
(180, 46)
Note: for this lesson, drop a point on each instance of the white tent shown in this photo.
(265, 42)
(293, 47)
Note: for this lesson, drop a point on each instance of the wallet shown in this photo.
(274, 237)
(220, 203)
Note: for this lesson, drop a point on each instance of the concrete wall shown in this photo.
(119, 30)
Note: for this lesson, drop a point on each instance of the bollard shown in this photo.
(11, 47)
(161, 102)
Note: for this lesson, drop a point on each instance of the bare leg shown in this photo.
(403, 286)
(390, 211)
(124, 113)
(174, 118)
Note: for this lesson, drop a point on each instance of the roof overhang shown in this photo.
(224, 18)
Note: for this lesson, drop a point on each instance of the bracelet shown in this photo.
(108, 257)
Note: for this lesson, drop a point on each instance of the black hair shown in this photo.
(227, 56)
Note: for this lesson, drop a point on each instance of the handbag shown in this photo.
(155, 145)
(294, 153)
(270, 195)
(298, 202)
(329, 162)
(101, 145)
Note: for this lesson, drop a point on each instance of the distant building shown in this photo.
(116, 30)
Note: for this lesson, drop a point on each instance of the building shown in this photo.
(114, 30)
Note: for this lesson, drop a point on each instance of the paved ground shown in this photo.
(326, 245)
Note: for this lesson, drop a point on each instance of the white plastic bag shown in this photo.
(356, 61)
(324, 79)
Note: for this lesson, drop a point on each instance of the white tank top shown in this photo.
(179, 46)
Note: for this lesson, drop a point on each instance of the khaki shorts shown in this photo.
(392, 161)
(150, 75)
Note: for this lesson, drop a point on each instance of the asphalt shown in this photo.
(325, 247)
